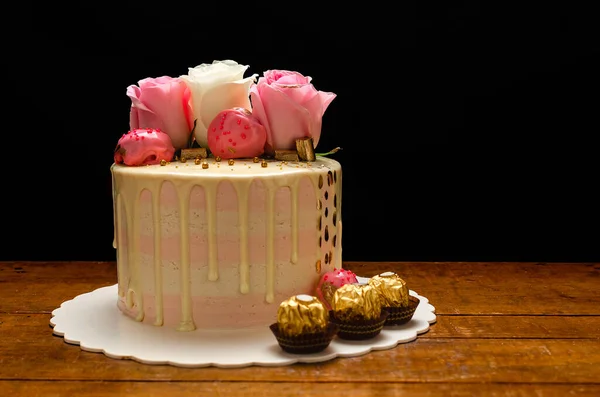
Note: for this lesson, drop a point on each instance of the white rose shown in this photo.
(216, 87)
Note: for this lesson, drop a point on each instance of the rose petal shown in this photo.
(287, 120)
(217, 98)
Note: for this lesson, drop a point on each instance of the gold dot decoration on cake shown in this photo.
(264, 164)
(256, 159)
(183, 159)
(230, 162)
(327, 237)
(218, 159)
(163, 162)
(197, 161)
(318, 266)
(205, 164)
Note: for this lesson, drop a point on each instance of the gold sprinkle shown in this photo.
(230, 162)
(183, 160)
(204, 164)
(231, 150)
(256, 159)
(163, 162)
(197, 161)
(264, 164)
(318, 266)
(320, 181)
(218, 158)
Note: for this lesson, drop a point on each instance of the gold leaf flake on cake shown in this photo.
(318, 266)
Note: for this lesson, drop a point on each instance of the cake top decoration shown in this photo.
(144, 146)
(216, 108)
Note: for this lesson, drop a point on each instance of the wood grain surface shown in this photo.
(503, 329)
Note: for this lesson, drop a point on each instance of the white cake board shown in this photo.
(93, 321)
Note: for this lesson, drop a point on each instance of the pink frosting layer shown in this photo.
(221, 303)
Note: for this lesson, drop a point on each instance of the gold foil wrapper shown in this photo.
(302, 314)
(356, 302)
(392, 290)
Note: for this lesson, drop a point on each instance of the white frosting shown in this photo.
(129, 185)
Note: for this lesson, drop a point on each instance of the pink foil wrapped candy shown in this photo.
(331, 281)
(144, 146)
(236, 133)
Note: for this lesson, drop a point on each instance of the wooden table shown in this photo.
(503, 329)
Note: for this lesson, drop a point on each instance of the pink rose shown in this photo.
(289, 107)
(162, 103)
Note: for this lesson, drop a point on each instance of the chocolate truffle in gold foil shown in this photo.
(357, 312)
(355, 302)
(302, 314)
(392, 290)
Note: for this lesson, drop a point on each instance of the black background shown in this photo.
(483, 119)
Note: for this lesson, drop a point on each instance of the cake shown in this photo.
(222, 206)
